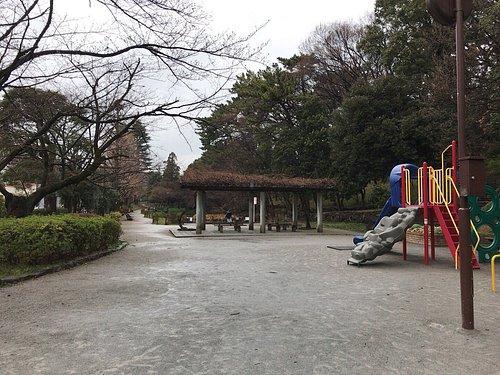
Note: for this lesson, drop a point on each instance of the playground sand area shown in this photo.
(248, 303)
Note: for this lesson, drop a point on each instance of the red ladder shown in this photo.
(449, 231)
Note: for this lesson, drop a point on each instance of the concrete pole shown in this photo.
(295, 210)
(262, 212)
(253, 209)
(204, 207)
(199, 211)
(319, 211)
(250, 211)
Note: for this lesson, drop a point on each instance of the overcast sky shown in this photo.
(289, 23)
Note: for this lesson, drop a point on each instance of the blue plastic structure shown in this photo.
(394, 202)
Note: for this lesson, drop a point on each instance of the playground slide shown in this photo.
(388, 210)
(381, 239)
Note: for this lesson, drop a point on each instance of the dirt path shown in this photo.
(272, 304)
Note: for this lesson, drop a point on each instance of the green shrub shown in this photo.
(377, 194)
(175, 211)
(115, 215)
(417, 228)
(45, 239)
(159, 214)
(3, 210)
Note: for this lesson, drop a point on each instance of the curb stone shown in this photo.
(9, 280)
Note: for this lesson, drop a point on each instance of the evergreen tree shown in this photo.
(172, 171)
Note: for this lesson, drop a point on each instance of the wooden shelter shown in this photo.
(255, 185)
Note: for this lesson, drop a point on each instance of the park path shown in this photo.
(273, 304)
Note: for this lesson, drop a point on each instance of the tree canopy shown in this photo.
(361, 98)
(96, 78)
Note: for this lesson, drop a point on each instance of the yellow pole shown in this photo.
(493, 272)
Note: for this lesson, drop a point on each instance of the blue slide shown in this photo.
(388, 210)
(394, 202)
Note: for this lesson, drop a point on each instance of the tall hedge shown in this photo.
(45, 239)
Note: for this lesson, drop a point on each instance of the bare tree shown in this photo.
(339, 62)
(103, 71)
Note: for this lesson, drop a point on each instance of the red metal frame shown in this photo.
(433, 212)
(425, 182)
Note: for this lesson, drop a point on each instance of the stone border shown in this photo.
(247, 233)
(9, 280)
(418, 238)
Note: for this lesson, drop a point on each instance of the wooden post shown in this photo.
(466, 275)
(262, 212)
(319, 212)
(199, 211)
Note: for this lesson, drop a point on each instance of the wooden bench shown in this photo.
(236, 225)
(281, 226)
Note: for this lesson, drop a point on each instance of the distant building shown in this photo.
(26, 190)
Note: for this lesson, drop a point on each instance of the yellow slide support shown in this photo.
(493, 272)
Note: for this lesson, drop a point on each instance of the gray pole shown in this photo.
(295, 211)
(319, 211)
(204, 209)
(262, 212)
(466, 275)
(199, 211)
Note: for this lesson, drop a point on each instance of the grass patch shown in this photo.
(19, 270)
(7, 270)
(353, 227)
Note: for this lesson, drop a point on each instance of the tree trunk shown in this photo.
(340, 202)
(19, 206)
(363, 198)
(50, 203)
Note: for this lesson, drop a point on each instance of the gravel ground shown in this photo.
(280, 303)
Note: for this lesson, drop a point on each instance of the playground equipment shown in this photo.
(436, 194)
(493, 288)
(394, 201)
(487, 217)
(381, 239)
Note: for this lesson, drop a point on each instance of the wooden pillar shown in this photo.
(319, 211)
(262, 212)
(295, 210)
(251, 219)
(199, 211)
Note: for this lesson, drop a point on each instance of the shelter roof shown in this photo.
(230, 181)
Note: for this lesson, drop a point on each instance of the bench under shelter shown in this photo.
(256, 185)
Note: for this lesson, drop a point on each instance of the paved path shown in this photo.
(276, 304)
